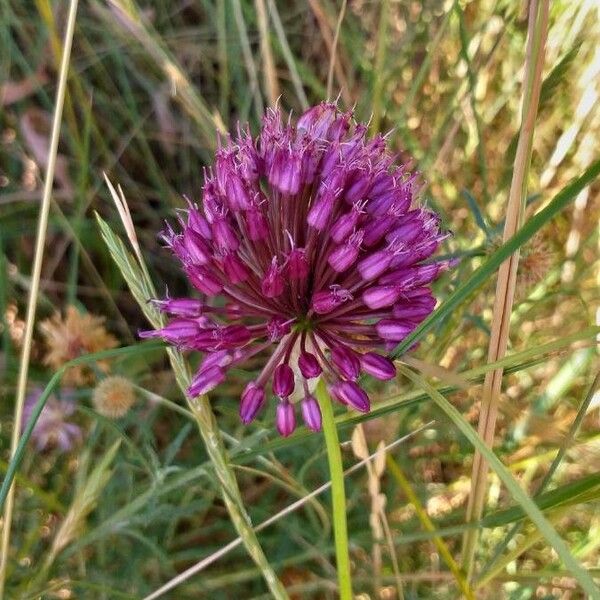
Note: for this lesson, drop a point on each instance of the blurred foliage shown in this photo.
(150, 86)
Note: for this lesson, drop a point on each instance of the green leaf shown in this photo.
(565, 495)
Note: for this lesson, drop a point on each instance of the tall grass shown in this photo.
(150, 88)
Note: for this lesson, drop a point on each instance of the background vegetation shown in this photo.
(135, 501)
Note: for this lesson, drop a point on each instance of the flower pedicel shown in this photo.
(307, 245)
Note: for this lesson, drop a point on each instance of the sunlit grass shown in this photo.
(149, 88)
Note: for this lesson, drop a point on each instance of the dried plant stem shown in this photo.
(270, 74)
(507, 274)
(332, 58)
(338, 493)
(35, 279)
(248, 59)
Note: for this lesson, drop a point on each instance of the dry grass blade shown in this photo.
(35, 278)
(129, 18)
(334, 45)
(507, 274)
(324, 26)
(270, 74)
(248, 60)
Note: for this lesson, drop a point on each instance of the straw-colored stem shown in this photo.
(269, 72)
(35, 280)
(378, 67)
(332, 58)
(507, 274)
(338, 493)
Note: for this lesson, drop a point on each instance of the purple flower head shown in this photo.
(309, 248)
(52, 429)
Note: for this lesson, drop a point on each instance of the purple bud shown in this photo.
(321, 209)
(343, 257)
(360, 181)
(351, 394)
(346, 361)
(412, 277)
(283, 381)
(284, 172)
(198, 250)
(311, 413)
(198, 223)
(285, 418)
(235, 191)
(203, 280)
(376, 230)
(273, 284)
(378, 366)
(180, 307)
(393, 330)
(414, 309)
(345, 225)
(381, 296)
(224, 235)
(221, 358)
(235, 270)
(297, 265)
(234, 336)
(256, 224)
(251, 402)
(324, 302)
(373, 265)
(205, 380)
(408, 231)
(178, 332)
(318, 119)
(309, 365)
(211, 201)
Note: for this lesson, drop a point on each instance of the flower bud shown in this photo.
(311, 413)
(285, 418)
(252, 400)
(283, 381)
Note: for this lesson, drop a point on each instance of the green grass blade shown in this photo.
(519, 495)
(481, 275)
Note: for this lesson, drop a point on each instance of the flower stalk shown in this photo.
(338, 492)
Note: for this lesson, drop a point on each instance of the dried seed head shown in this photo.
(72, 336)
(113, 397)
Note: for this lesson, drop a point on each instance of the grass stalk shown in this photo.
(518, 494)
(135, 273)
(35, 279)
(378, 68)
(290, 508)
(248, 58)
(507, 274)
(338, 493)
(269, 71)
(333, 56)
(428, 525)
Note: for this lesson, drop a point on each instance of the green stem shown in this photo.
(338, 493)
